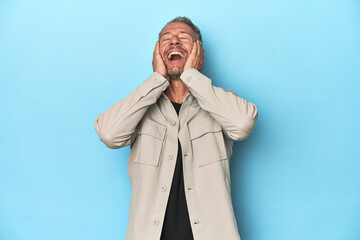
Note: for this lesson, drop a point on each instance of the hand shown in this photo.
(158, 62)
(196, 57)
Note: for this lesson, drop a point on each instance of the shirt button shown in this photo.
(172, 123)
(157, 80)
(163, 188)
(188, 79)
(156, 222)
(189, 187)
(196, 221)
(163, 88)
(170, 156)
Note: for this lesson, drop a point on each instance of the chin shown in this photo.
(175, 72)
(174, 75)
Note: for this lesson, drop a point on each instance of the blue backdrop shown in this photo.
(64, 62)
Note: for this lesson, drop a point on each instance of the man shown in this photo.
(180, 128)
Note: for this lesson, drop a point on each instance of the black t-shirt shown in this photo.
(176, 222)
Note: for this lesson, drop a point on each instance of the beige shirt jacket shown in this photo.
(210, 119)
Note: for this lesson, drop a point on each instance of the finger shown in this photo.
(194, 48)
(201, 56)
(193, 51)
(201, 52)
(156, 48)
(200, 48)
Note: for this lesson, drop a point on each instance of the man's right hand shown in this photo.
(158, 62)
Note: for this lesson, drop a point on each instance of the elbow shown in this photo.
(110, 142)
(109, 138)
(242, 131)
(244, 127)
(245, 130)
(114, 141)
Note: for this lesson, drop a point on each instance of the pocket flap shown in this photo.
(152, 129)
(204, 126)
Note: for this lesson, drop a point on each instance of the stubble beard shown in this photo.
(174, 75)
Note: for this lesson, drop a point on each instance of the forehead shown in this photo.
(177, 27)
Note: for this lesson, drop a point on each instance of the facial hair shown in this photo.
(174, 75)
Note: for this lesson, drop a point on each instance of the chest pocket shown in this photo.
(207, 142)
(150, 142)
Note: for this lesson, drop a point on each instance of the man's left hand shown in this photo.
(196, 57)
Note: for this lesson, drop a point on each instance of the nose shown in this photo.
(175, 40)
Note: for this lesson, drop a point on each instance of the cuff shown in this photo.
(156, 80)
(190, 76)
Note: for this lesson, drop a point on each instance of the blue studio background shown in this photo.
(64, 62)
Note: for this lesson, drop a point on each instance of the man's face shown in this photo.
(176, 42)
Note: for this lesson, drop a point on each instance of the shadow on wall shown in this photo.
(240, 184)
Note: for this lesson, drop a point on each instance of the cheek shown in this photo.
(162, 51)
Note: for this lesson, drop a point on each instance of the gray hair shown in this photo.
(188, 22)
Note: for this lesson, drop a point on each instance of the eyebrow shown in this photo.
(179, 32)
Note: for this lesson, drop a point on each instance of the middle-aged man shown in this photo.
(180, 128)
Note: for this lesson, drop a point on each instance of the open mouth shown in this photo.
(175, 56)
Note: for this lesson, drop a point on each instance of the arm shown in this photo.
(236, 116)
(116, 126)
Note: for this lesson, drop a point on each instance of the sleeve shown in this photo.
(116, 126)
(236, 116)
